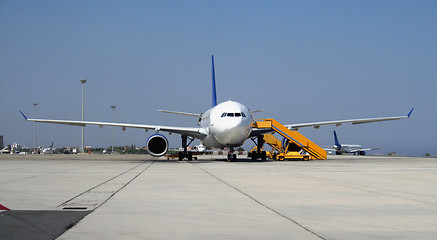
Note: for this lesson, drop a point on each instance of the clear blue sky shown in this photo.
(303, 61)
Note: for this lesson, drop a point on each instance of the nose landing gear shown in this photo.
(231, 155)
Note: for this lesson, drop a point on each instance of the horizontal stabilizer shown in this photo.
(257, 111)
(364, 149)
(180, 113)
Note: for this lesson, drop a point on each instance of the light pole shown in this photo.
(113, 110)
(34, 126)
(83, 81)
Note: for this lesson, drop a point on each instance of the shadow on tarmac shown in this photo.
(36, 224)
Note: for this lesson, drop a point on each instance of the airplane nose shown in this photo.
(232, 133)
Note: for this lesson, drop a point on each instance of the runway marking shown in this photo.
(80, 201)
(260, 203)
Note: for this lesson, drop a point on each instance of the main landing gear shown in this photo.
(259, 154)
(185, 154)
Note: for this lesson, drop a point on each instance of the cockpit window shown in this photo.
(239, 114)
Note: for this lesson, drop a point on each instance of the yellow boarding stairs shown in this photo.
(297, 145)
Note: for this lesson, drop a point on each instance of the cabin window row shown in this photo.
(239, 114)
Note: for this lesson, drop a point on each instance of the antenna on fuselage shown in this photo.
(214, 93)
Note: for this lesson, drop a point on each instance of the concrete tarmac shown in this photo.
(140, 197)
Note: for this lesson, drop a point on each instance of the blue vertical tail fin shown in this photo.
(214, 93)
(337, 143)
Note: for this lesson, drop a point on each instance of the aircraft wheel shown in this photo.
(263, 155)
(190, 156)
(180, 156)
(232, 157)
(254, 156)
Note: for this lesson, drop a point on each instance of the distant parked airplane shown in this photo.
(348, 148)
(228, 124)
(5, 150)
(49, 150)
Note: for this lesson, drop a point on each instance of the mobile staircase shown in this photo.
(296, 146)
(271, 140)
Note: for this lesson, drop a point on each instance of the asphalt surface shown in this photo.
(139, 197)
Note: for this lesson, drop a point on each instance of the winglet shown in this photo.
(214, 93)
(23, 115)
(410, 112)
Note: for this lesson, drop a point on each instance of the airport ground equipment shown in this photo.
(278, 152)
(276, 145)
(295, 145)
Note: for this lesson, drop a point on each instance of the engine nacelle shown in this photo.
(337, 147)
(157, 145)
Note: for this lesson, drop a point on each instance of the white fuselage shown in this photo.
(347, 148)
(228, 124)
(47, 151)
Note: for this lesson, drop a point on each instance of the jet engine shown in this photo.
(157, 145)
(337, 147)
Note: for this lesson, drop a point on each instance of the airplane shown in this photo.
(228, 124)
(348, 148)
(200, 148)
(5, 150)
(49, 150)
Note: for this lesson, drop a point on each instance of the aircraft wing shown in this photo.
(198, 133)
(339, 122)
(363, 149)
